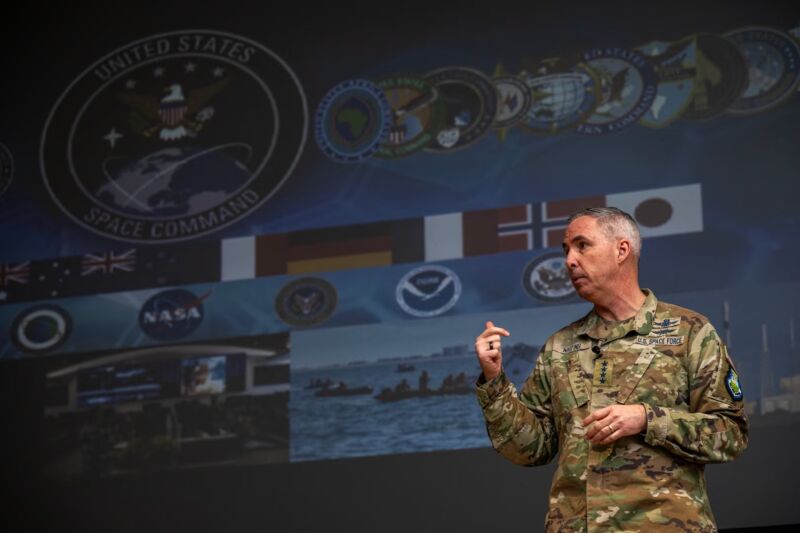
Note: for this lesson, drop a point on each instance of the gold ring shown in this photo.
(611, 427)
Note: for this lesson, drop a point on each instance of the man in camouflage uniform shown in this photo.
(635, 397)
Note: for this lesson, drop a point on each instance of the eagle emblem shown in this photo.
(175, 115)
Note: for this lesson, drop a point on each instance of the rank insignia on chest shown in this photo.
(666, 326)
(733, 386)
(603, 372)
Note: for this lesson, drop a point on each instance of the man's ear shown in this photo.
(623, 250)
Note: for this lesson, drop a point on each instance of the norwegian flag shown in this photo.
(17, 273)
(109, 262)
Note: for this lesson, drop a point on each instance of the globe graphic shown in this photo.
(556, 97)
(175, 181)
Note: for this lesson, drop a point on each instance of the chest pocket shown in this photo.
(654, 378)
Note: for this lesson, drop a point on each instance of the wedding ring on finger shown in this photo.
(491, 345)
(610, 428)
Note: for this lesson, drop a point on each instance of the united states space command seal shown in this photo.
(174, 136)
(628, 86)
(6, 168)
(546, 278)
(352, 120)
(306, 302)
(773, 68)
(427, 291)
(172, 314)
(41, 329)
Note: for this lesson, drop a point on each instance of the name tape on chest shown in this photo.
(676, 340)
(574, 347)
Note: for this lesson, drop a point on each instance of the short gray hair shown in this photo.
(615, 223)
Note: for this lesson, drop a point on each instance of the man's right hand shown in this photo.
(487, 348)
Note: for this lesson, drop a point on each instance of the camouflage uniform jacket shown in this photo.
(667, 358)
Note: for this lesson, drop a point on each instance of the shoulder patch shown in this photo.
(733, 385)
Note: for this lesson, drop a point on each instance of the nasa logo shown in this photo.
(546, 278)
(427, 291)
(171, 314)
(6, 168)
(470, 102)
(773, 68)
(352, 120)
(306, 302)
(628, 87)
(41, 329)
(174, 136)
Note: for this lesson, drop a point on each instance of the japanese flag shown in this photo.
(663, 211)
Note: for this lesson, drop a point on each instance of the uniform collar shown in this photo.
(642, 321)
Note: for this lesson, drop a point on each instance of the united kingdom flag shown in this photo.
(16, 273)
(108, 262)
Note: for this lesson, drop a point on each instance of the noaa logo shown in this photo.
(174, 136)
(546, 278)
(428, 291)
(6, 168)
(41, 329)
(352, 120)
(628, 87)
(773, 68)
(171, 314)
(306, 302)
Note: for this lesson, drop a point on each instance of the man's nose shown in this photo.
(571, 260)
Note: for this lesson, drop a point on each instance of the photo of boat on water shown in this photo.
(401, 387)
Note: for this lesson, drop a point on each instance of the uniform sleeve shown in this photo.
(715, 429)
(520, 426)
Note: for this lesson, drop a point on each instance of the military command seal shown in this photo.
(174, 136)
(306, 302)
(773, 68)
(546, 278)
(352, 120)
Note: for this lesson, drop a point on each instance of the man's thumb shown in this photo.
(489, 324)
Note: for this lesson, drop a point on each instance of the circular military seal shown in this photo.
(564, 94)
(513, 101)
(41, 329)
(417, 115)
(352, 120)
(174, 136)
(6, 168)
(470, 102)
(546, 278)
(628, 86)
(172, 314)
(720, 77)
(773, 68)
(675, 64)
(427, 291)
(306, 302)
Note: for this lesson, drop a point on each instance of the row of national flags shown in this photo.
(662, 211)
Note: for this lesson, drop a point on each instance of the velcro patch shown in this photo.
(733, 385)
(660, 341)
(574, 347)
